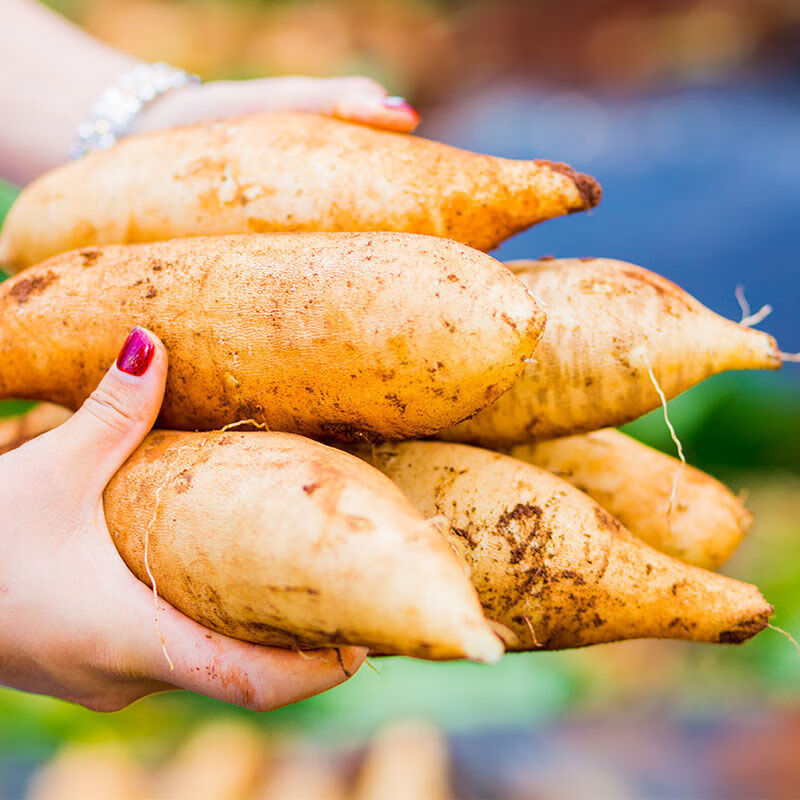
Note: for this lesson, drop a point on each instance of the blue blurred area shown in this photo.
(701, 183)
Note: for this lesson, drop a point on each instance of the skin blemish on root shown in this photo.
(24, 289)
(88, 257)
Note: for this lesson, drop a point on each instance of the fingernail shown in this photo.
(397, 103)
(136, 353)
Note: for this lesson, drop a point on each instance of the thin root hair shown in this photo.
(748, 320)
(672, 434)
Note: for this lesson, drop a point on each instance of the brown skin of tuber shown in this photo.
(553, 566)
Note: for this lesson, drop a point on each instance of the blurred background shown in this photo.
(688, 112)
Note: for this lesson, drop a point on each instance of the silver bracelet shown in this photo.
(113, 115)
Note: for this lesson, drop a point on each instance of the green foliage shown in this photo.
(10, 408)
(732, 422)
(7, 195)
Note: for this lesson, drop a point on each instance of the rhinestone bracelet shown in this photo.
(113, 115)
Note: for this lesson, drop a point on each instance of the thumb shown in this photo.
(112, 422)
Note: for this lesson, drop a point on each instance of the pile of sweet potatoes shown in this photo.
(430, 468)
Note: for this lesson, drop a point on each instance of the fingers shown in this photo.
(356, 99)
(100, 436)
(255, 677)
(368, 102)
(391, 113)
(134, 661)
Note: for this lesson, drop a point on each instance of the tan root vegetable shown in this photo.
(284, 172)
(349, 336)
(608, 323)
(43, 417)
(304, 774)
(223, 760)
(91, 770)
(276, 539)
(553, 566)
(406, 760)
(704, 522)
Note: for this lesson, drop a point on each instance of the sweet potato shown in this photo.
(90, 769)
(221, 760)
(304, 773)
(406, 760)
(284, 172)
(703, 524)
(606, 322)
(17, 430)
(350, 336)
(279, 540)
(553, 566)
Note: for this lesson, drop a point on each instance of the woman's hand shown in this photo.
(59, 72)
(357, 99)
(74, 622)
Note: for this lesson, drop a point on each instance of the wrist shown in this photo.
(170, 109)
(116, 112)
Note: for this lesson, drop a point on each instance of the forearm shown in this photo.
(53, 74)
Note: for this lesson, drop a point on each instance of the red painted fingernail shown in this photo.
(396, 103)
(136, 353)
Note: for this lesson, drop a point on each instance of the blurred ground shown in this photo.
(688, 114)
(727, 757)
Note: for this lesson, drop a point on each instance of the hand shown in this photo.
(43, 105)
(74, 622)
(356, 99)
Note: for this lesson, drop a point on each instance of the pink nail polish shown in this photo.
(396, 103)
(136, 353)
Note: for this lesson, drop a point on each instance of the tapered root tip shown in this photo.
(483, 646)
(748, 348)
(745, 520)
(772, 353)
(747, 628)
(589, 189)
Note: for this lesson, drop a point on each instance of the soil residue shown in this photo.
(588, 188)
(25, 288)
